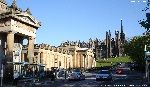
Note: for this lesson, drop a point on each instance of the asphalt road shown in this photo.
(132, 79)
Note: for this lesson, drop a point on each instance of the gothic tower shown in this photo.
(109, 45)
(107, 42)
(122, 40)
(117, 44)
(122, 35)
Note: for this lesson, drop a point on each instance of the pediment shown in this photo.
(28, 18)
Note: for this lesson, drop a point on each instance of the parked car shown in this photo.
(82, 77)
(104, 75)
(76, 71)
(119, 71)
(76, 76)
(61, 73)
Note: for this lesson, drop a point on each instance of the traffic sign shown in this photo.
(146, 58)
(147, 53)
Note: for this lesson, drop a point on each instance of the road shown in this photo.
(132, 79)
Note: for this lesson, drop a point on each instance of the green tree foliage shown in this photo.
(146, 23)
(135, 49)
(135, 46)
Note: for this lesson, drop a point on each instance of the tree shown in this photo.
(135, 49)
(146, 23)
(135, 46)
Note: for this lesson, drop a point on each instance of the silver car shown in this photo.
(76, 76)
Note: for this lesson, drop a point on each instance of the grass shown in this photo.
(110, 61)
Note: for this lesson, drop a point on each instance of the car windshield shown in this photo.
(76, 70)
(104, 72)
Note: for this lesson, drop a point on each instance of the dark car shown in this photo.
(104, 75)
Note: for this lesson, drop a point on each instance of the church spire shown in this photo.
(121, 27)
(122, 35)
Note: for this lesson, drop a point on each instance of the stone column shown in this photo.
(41, 58)
(39, 54)
(8, 71)
(85, 61)
(30, 55)
(22, 57)
(84, 56)
(74, 59)
(78, 60)
(10, 41)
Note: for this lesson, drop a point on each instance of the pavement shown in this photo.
(43, 83)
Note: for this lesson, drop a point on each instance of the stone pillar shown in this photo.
(74, 59)
(30, 55)
(41, 58)
(87, 58)
(10, 41)
(8, 70)
(84, 61)
(22, 57)
(39, 55)
(80, 61)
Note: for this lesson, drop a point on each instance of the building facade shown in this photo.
(50, 56)
(15, 26)
(66, 57)
(82, 57)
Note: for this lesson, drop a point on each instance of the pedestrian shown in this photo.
(52, 76)
(16, 77)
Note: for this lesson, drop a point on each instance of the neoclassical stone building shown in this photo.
(49, 56)
(82, 57)
(66, 57)
(15, 26)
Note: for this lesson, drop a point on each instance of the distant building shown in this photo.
(82, 57)
(110, 47)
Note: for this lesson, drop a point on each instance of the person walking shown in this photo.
(52, 76)
(16, 76)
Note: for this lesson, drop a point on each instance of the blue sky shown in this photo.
(83, 19)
